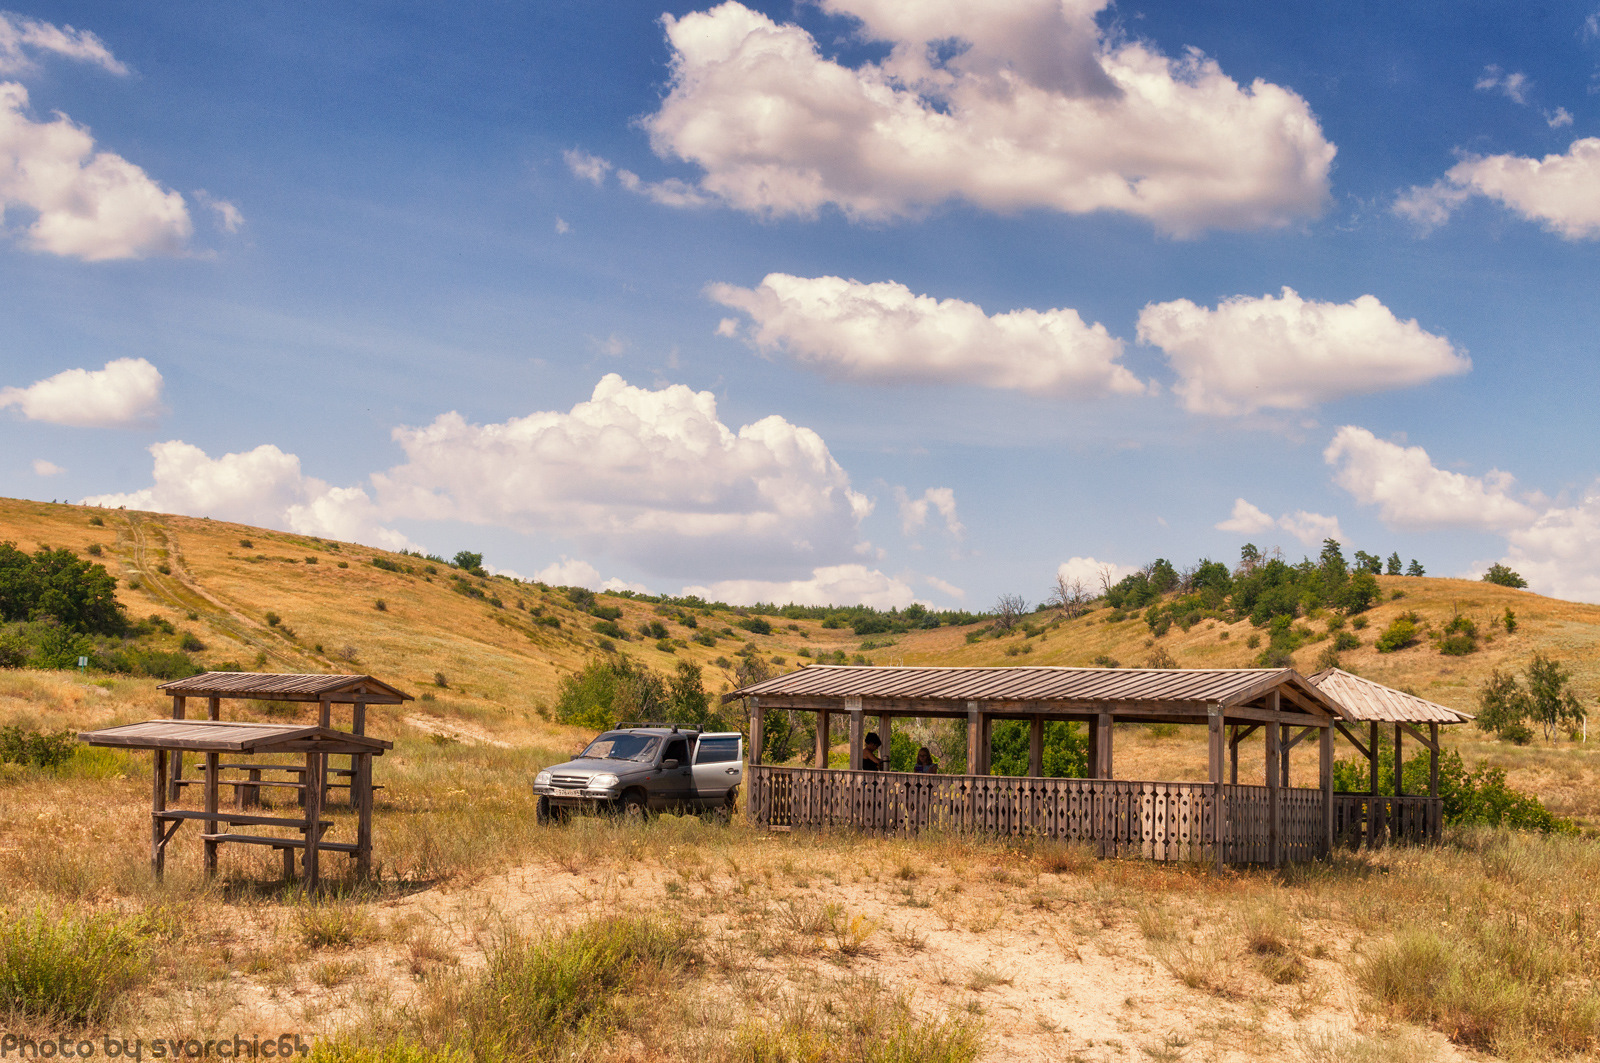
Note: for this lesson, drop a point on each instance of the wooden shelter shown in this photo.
(309, 781)
(1215, 821)
(1372, 817)
(1219, 821)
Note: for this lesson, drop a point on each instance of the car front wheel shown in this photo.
(634, 805)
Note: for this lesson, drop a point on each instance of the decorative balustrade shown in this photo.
(1154, 820)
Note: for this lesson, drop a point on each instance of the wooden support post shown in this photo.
(158, 805)
(178, 712)
(823, 723)
(758, 720)
(1433, 782)
(324, 719)
(1284, 744)
(1275, 761)
(886, 739)
(1104, 770)
(974, 735)
(1233, 754)
(858, 735)
(985, 744)
(1215, 722)
(361, 792)
(315, 766)
(1399, 767)
(1093, 760)
(213, 770)
(358, 718)
(1375, 820)
(1036, 747)
(1325, 777)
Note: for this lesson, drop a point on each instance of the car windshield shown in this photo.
(622, 746)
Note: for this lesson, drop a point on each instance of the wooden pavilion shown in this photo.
(309, 781)
(1372, 817)
(1219, 821)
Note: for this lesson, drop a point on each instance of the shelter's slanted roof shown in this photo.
(273, 687)
(1367, 701)
(1209, 686)
(226, 736)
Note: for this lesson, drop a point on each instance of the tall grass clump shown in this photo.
(860, 1027)
(68, 969)
(399, 1051)
(538, 999)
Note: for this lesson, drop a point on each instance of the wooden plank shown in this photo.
(1325, 773)
(1351, 737)
(158, 804)
(972, 738)
(361, 794)
(820, 753)
(1275, 761)
(1036, 746)
(857, 737)
(179, 710)
(1214, 722)
(212, 775)
(313, 836)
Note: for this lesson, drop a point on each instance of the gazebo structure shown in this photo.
(1372, 817)
(215, 738)
(1220, 820)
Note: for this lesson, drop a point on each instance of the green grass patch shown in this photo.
(70, 968)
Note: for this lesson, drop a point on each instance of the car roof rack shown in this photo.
(630, 724)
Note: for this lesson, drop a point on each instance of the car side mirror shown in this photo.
(668, 764)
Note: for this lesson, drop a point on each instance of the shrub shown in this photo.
(607, 690)
(1105, 661)
(387, 565)
(190, 643)
(705, 638)
(68, 969)
(470, 562)
(97, 522)
(157, 664)
(607, 612)
(247, 544)
(1459, 638)
(95, 550)
(1344, 640)
(381, 606)
(757, 626)
(439, 680)
(272, 619)
(38, 749)
(1503, 576)
(608, 628)
(1402, 632)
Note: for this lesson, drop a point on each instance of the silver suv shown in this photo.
(636, 769)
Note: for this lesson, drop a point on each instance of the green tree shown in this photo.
(1503, 576)
(1392, 566)
(468, 561)
(1415, 568)
(1358, 595)
(1332, 565)
(1504, 708)
(1066, 749)
(1550, 700)
(58, 585)
(686, 696)
(608, 691)
(1369, 562)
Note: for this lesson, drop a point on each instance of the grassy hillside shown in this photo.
(502, 646)
(833, 945)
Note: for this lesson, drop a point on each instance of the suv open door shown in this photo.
(718, 768)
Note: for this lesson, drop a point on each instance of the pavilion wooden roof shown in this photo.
(1368, 701)
(226, 736)
(1182, 691)
(270, 686)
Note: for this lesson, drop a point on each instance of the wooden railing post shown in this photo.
(179, 703)
(1103, 750)
(753, 755)
(1036, 746)
(158, 805)
(1325, 771)
(857, 732)
(1214, 721)
(1275, 759)
(973, 737)
(824, 721)
(1375, 817)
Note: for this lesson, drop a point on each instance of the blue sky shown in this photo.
(849, 300)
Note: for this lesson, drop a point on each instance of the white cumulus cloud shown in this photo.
(654, 476)
(23, 40)
(264, 487)
(914, 511)
(42, 467)
(1555, 547)
(568, 572)
(126, 391)
(1560, 191)
(1513, 86)
(1289, 353)
(1007, 104)
(1410, 492)
(828, 585)
(88, 204)
(1094, 575)
(591, 168)
(884, 333)
(1310, 528)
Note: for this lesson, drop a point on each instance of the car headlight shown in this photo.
(542, 779)
(603, 782)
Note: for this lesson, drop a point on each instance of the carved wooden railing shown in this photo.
(1361, 819)
(1154, 820)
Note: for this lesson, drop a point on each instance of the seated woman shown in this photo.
(871, 758)
(925, 764)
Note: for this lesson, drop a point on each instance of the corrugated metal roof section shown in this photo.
(1365, 700)
(220, 736)
(1210, 685)
(289, 687)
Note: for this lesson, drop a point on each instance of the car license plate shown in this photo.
(559, 792)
